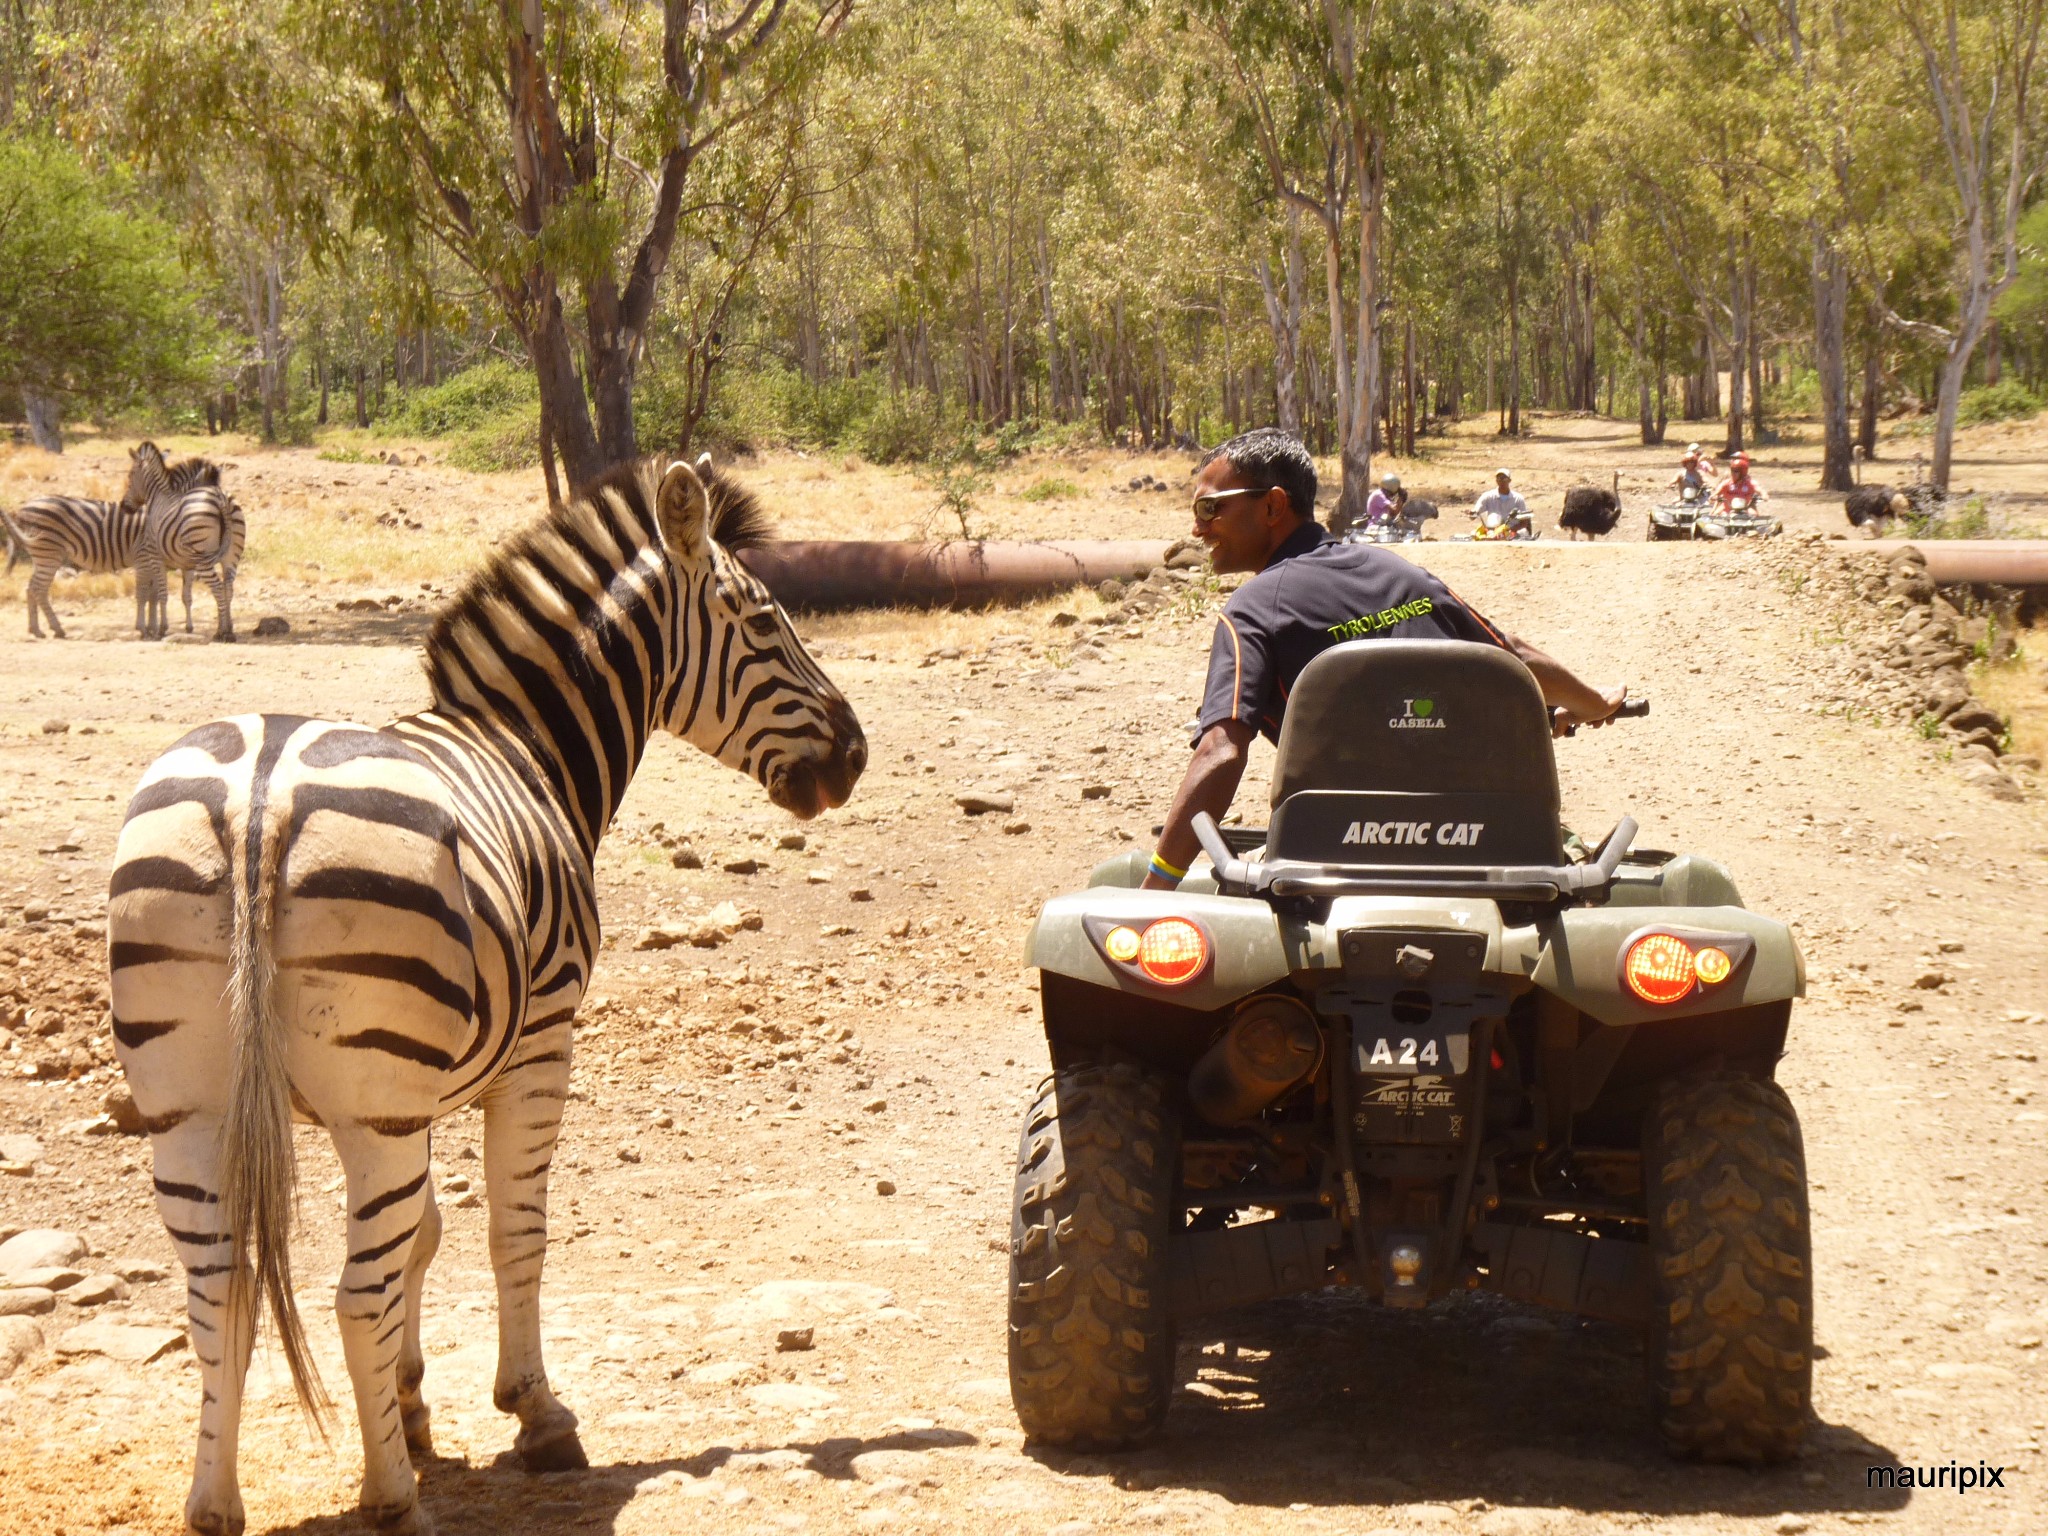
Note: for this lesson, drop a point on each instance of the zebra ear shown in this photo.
(683, 508)
(704, 467)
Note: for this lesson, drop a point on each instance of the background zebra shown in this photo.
(190, 525)
(367, 929)
(55, 531)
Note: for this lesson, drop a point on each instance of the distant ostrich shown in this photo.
(1591, 510)
(1869, 505)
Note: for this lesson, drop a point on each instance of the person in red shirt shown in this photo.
(1738, 484)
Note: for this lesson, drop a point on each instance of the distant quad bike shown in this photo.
(1742, 518)
(1499, 528)
(1679, 519)
(1399, 1042)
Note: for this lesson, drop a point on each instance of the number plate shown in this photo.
(1400, 1052)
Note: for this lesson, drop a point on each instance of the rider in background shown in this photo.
(1693, 470)
(1738, 485)
(1505, 500)
(1384, 504)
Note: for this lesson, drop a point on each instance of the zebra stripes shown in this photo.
(190, 525)
(368, 928)
(55, 531)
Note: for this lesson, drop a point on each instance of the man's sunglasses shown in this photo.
(1209, 508)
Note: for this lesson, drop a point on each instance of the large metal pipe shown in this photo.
(823, 574)
(1975, 562)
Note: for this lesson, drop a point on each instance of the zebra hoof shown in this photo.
(552, 1449)
(405, 1520)
(419, 1434)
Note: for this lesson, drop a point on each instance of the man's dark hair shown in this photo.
(1267, 457)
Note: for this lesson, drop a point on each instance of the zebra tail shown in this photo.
(259, 1174)
(17, 546)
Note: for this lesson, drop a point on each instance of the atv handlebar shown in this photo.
(1631, 709)
(1534, 882)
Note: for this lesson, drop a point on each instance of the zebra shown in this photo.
(51, 532)
(366, 929)
(189, 524)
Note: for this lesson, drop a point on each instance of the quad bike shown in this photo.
(1399, 1042)
(1499, 528)
(1679, 519)
(1741, 518)
(1403, 526)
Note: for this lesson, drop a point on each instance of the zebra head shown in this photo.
(747, 692)
(147, 475)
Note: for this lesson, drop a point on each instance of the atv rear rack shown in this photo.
(1527, 882)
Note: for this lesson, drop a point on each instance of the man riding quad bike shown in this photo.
(1500, 515)
(1407, 1039)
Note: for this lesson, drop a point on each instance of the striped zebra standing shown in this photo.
(190, 525)
(52, 532)
(367, 929)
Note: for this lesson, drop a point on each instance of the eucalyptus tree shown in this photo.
(1977, 61)
(1318, 92)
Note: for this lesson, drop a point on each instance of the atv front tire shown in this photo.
(1731, 1341)
(1091, 1334)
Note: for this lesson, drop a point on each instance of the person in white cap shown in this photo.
(1505, 500)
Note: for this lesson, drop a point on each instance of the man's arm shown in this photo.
(1582, 703)
(1210, 784)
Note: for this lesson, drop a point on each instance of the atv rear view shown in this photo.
(1398, 1041)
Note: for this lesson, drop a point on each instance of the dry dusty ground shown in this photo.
(737, 1107)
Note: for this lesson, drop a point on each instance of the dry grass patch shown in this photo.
(2018, 690)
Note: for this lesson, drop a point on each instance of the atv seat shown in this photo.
(1415, 752)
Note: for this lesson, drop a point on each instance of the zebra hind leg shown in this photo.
(387, 1199)
(187, 574)
(412, 1362)
(187, 1171)
(39, 597)
(522, 1118)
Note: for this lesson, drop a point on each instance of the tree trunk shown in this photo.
(1642, 348)
(1282, 321)
(362, 403)
(320, 367)
(45, 420)
(547, 460)
(1991, 357)
(1830, 347)
(1738, 347)
(1514, 391)
(1663, 411)
(1873, 382)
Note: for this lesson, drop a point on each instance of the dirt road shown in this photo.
(739, 1110)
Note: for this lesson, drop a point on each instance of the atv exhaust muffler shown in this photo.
(1270, 1047)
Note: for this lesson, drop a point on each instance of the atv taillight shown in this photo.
(1121, 944)
(1661, 968)
(1712, 966)
(1172, 950)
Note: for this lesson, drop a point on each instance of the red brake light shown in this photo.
(1660, 968)
(1172, 950)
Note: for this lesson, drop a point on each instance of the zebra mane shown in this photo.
(614, 510)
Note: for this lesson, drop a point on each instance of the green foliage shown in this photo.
(1967, 519)
(2007, 400)
(94, 306)
(1049, 488)
(959, 484)
(1796, 394)
(342, 453)
(489, 414)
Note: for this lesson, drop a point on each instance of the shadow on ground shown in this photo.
(502, 1497)
(1329, 1401)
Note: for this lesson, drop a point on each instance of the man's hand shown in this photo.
(1209, 785)
(1564, 720)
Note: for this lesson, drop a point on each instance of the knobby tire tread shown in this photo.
(1731, 1344)
(1091, 1329)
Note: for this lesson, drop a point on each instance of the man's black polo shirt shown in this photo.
(1312, 594)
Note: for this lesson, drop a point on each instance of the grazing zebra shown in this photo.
(52, 532)
(189, 524)
(367, 929)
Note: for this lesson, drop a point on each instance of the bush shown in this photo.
(2008, 400)
(489, 414)
(1796, 394)
(1049, 489)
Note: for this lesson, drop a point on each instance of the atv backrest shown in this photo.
(1415, 752)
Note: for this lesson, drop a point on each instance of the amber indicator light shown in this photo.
(1712, 965)
(1121, 944)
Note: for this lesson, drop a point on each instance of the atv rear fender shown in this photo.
(1577, 956)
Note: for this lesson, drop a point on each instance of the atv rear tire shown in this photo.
(1091, 1334)
(1731, 1340)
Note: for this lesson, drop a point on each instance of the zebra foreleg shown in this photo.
(412, 1360)
(387, 1199)
(187, 1160)
(522, 1118)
